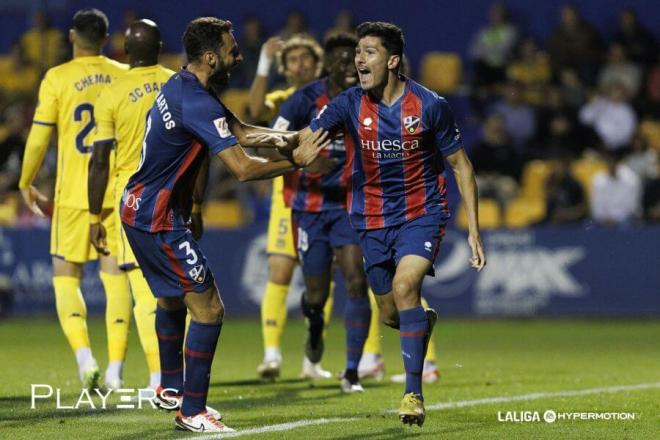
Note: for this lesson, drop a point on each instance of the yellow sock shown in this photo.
(430, 352)
(373, 344)
(117, 314)
(273, 314)
(71, 311)
(327, 308)
(145, 318)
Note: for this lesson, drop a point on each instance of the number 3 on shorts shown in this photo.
(186, 245)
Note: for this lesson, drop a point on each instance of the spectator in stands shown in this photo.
(296, 23)
(18, 77)
(652, 96)
(611, 117)
(559, 131)
(12, 142)
(619, 69)
(250, 44)
(531, 69)
(344, 24)
(493, 46)
(519, 117)
(638, 41)
(573, 91)
(495, 161)
(116, 46)
(42, 44)
(616, 193)
(575, 44)
(642, 159)
(564, 197)
(652, 198)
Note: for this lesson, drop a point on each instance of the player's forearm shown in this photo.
(97, 180)
(257, 96)
(35, 150)
(259, 169)
(467, 186)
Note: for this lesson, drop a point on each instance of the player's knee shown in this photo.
(403, 287)
(312, 302)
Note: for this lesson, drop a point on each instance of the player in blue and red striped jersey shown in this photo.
(185, 122)
(397, 134)
(320, 218)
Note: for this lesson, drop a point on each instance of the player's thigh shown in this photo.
(69, 235)
(350, 260)
(280, 269)
(172, 262)
(63, 268)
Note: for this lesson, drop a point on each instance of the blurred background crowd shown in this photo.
(563, 130)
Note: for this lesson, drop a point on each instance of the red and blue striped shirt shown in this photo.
(394, 153)
(305, 191)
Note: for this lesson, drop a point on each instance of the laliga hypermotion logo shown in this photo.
(411, 123)
(129, 398)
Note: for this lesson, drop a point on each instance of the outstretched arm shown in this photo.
(97, 182)
(257, 96)
(35, 150)
(467, 186)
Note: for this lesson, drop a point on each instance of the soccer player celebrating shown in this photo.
(186, 120)
(396, 134)
(299, 60)
(67, 97)
(319, 214)
(120, 114)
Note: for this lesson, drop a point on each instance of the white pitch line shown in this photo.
(437, 406)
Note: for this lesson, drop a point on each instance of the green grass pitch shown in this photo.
(478, 360)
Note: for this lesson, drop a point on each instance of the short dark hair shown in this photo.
(91, 25)
(341, 39)
(390, 34)
(202, 34)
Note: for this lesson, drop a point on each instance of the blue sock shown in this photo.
(170, 328)
(414, 330)
(200, 348)
(357, 314)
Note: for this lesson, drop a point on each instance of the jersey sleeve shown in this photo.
(290, 115)
(208, 120)
(47, 107)
(103, 115)
(447, 136)
(333, 116)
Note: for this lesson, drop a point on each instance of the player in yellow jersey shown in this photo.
(299, 60)
(120, 113)
(67, 97)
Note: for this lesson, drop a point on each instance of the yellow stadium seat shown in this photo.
(534, 176)
(172, 61)
(223, 214)
(490, 216)
(8, 210)
(236, 100)
(522, 212)
(441, 71)
(584, 170)
(650, 129)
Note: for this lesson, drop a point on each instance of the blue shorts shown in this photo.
(317, 234)
(171, 261)
(383, 248)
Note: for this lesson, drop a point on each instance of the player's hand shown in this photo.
(478, 260)
(97, 236)
(282, 141)
(311, 144)
(31, 196)
(321, 165)
(272, 46)
(196, 225)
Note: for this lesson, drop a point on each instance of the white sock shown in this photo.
(114, 371)
(154, 380)
(272, 354)
(368, 361)
(85, 360)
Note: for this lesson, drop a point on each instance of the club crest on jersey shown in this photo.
(411, 123)
(198, 273)
(367, 123)
(222, 127)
